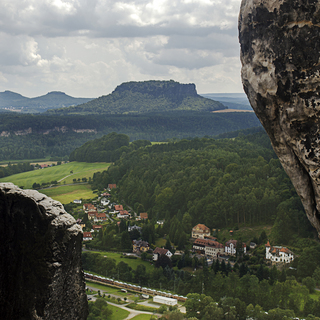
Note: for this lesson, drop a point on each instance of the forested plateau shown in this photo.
(27, 136)
(221, 183)
(146, 96)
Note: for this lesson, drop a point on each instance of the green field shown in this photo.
(66, 194)
(56, 173)
(133, 263)
(118, 313)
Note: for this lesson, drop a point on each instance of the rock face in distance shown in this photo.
(40, 258)
(280, 52)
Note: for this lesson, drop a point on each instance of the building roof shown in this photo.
(140, 243)
(160, 251)
(144, 215)
(118, 207)
(87, 235)
(268, 244)
(201, 227)
(112, 186)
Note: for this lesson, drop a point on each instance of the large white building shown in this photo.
(278, 254)
(231, 247)
(165, 300)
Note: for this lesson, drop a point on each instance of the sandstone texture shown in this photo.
(40, 258)
(280, 52)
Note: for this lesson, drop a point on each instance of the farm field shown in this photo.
(66, 194)
(64, 173)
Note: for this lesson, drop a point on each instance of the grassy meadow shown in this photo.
(59, 173)
(66, 194)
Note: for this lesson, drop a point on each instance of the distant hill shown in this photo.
(237, 101)
(12, 101)
(145, 97)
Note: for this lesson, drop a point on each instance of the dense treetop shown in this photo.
(221, 183)
(43, 135)
(106, 149)
(147, 96)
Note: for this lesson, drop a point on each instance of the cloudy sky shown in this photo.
(86, 48)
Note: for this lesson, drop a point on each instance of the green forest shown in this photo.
(221, 183)
(106, 149)
(56, 136)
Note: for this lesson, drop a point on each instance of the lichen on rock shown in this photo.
(280, 56)
(40, 258)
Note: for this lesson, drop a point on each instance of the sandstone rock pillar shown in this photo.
(40, 258)
(280, 56)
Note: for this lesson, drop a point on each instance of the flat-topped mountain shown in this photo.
(12, 101)
(147, 96)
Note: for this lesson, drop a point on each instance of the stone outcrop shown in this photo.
(280, 52)
(40, 258)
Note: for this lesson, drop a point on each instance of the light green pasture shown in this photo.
(56, 173)
(66, 194)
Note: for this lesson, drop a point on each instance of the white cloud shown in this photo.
(87, 48)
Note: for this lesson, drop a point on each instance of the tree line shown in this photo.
(153, 127)
(15, 168)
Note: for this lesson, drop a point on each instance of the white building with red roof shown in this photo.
(87, 236)
(200, 231)
(278, 254)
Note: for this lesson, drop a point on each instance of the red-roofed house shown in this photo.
(92, 215)
(87, 236)
(118, 207)
(97, 227)
(159, 251)
(111, 186)
(100, 217)
(123, 214)
(200, 231)
(278, 254)
(143, 215)
(89, 207)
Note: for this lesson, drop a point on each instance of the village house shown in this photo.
(118, 208)
(77, 201)
(97, 227)
(104, 201)
(278, 254)
(200, 231)
(87, 236)
(100, 217)
(123, 214)
(143, 216)
(131, 228)
(89, 207)
(111, 186)
(208, 247)
(214, 248)
(140, 246)
(159, 251)
(92, 215)
(231, 247)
